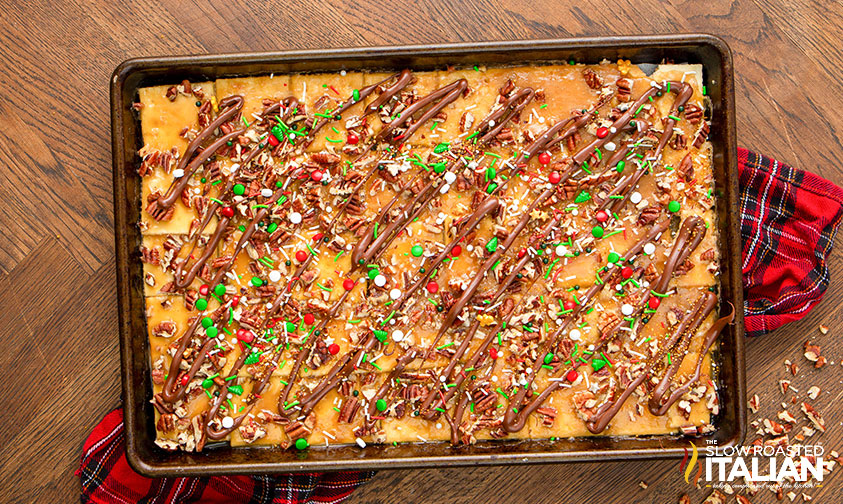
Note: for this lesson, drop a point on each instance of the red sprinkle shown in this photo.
(654, 302)
(309, 318)
(432, 287)
(245, 335)
(569, 305)
(626, 272)
(227, 212)
(602, 216)
(348, 284)
(456, 251)
(316, 175)
(544, 158)
(184, 380)
(204, 289)
(235, 300)
(522, 253)
(493, 353)
(554, 177)
(272, 140)
(572, 376)
(301, 256)
(352, 139)
(334, 349)
(602, 132)
(317, 236)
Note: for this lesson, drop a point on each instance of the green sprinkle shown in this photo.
(582, 197)
(442, 147)
(657, 294)
(492, 245)
(328, 289)
(597, 232)
(501, 392)
(674, 206)
(355, 95)
(235, 389)
(673, 117)
(301, 444)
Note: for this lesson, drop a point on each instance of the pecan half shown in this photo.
(592, 79)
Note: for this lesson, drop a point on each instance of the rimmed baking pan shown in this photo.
(709, 51)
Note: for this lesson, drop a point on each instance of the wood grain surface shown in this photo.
(58, 317)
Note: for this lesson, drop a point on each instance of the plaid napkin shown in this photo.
(788, 221)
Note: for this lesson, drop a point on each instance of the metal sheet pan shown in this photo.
(148, 459)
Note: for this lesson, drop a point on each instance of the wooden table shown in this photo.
(58, 318)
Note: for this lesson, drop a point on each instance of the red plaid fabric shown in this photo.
(788, 222)
(107, 478)
(789, 219)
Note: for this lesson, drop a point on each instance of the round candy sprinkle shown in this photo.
(597, 232)
(417, 250)
(301, 443)
(266, 192)
(635, 198)
(212, 332)
(560, 250)
(348, 284)
(352, 138)
(235, 300)
(185, 380)
(569, 305)
(257, 281)
(207, 322)
(301, 256)
(333, 349)
(204, 289)
(178, 173)
(271, 227)
(554, 177)
(432, 287)
(614, 257)
(654, 302)
(398, 335)
(316, 175)
(201, 304)
(309, 319)
(673, 206)
(273, 141)
(227, 422)
(227, 212)
(602, 216)
(602, 132)
(493, 353)
(626, 272)
(219, 290)
(239, 189)
(450, 178)
(274, 276)
(572, 376)
(380, 404)
(544, 158)
(619, 167)
(456, 251)
(380, 280)
(373, 273)
(548, 358)
(575, 335)
(649, 248)
(245, 335)
(394, 294)
(627, 309)
(295, 218)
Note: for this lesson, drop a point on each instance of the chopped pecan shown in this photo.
(702, 135)
(708, 255)
(548, 414)
(489, 402)
(591, 78)
(150, 256)
(190, 298)
(678, 141)
(649, 215)
(693, 113)
(814, 416)
(326, 158)
(165, 329)
(296, 430)
(507, 88)
(166, 423)
(624, 89)
(349, 409)
(172, 93)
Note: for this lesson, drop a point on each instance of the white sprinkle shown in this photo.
(395, 294)
(295, 218)
(445, 188)
(470, 248)
(360, 443)
(266, 192)
(178, 173)
(450, 178)
(575, 335)
(635, 198)
(380, 280)
(627, 309)
(610, 146)
(561, 250)
(274, 276)
(342, 72)
(649, 248)
(438, 425)
(612, 129)
(227, 422)
(397, 335)
(328, 435)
